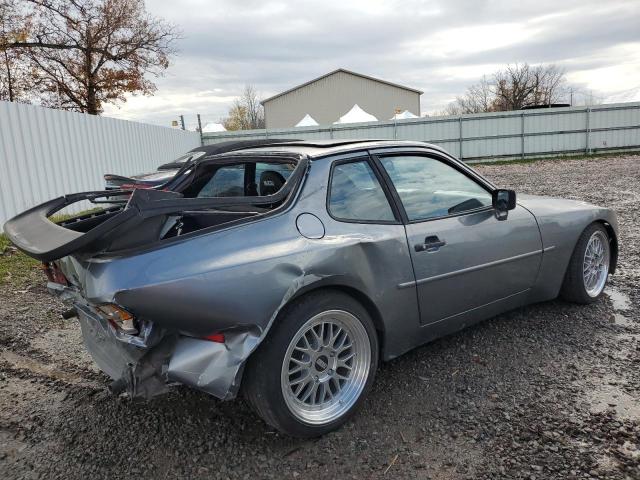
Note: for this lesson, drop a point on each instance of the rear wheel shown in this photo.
(312, 371)
(588, 268)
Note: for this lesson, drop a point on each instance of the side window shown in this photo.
(430, 188)
(356, 194)
(227, 181)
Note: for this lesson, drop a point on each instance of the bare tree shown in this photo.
(478, 98)
(255, 112)
(453, 108)
(91, 52)
(519, 86)
(246, 112)
(515, 87)
(549, 83)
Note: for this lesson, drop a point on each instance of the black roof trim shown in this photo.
(320, 143)
(232, 145)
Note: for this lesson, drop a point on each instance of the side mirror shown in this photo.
(503, 200)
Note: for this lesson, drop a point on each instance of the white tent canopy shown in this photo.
(307, 121)
(404, 115)
(212, 127)
(356, 115)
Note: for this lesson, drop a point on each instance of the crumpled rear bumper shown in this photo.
(145, 365)
(135, 368)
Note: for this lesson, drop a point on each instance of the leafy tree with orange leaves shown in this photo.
(90, 52)
(16, 75)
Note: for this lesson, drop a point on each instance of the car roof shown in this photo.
(322, 148)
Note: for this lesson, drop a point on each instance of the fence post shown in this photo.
(460, 133)
(522, 135)
(200, 130)
(588, 132)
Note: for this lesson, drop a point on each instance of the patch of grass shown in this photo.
(16, 268)
(516, 161)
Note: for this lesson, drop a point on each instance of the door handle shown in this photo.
(431, 244)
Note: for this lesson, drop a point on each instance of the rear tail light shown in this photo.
(118, 317)
(54, 274)
(215, 337)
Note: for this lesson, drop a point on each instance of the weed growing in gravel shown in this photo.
(16, 268)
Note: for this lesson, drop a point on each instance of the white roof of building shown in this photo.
(356, 115)
(404, 115)
(307, 121)
(213, 127)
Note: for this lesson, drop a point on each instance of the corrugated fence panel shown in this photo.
(45, 153)
(377, 130)
(614, 117)
(489, 147)
(488, 135)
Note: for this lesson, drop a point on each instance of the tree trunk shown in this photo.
(9, 79)
(92, 104)
(91, 99)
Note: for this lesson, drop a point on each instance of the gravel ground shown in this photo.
(547, 391)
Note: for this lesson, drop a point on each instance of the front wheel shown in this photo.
(312, 371)
(588, 268)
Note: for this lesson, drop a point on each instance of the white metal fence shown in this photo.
(45, 153)
(519, 133)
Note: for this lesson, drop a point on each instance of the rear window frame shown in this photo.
(363, 157)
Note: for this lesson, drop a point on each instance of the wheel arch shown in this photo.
(357, 294)
(613, 262)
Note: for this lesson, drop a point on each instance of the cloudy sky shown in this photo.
(439, 46)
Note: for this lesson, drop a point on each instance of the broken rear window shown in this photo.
(240, 180)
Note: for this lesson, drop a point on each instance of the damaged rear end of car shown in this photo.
(151, 274)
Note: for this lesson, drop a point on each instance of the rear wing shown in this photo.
(34, 233)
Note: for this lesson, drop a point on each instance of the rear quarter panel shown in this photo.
(241, 277)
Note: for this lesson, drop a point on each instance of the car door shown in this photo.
(463, 255)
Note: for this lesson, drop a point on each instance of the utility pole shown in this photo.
(571, 96)
(182, 121)
(200, 130)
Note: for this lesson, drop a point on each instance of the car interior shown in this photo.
(242, 179)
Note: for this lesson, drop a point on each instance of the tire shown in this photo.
(304, 387)
(579, 285)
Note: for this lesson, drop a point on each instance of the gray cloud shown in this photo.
(274, 46)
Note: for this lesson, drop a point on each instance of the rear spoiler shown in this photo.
(36, 235)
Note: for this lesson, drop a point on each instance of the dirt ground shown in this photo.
(547, 391)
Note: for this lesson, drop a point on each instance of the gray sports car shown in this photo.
(291, 270)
